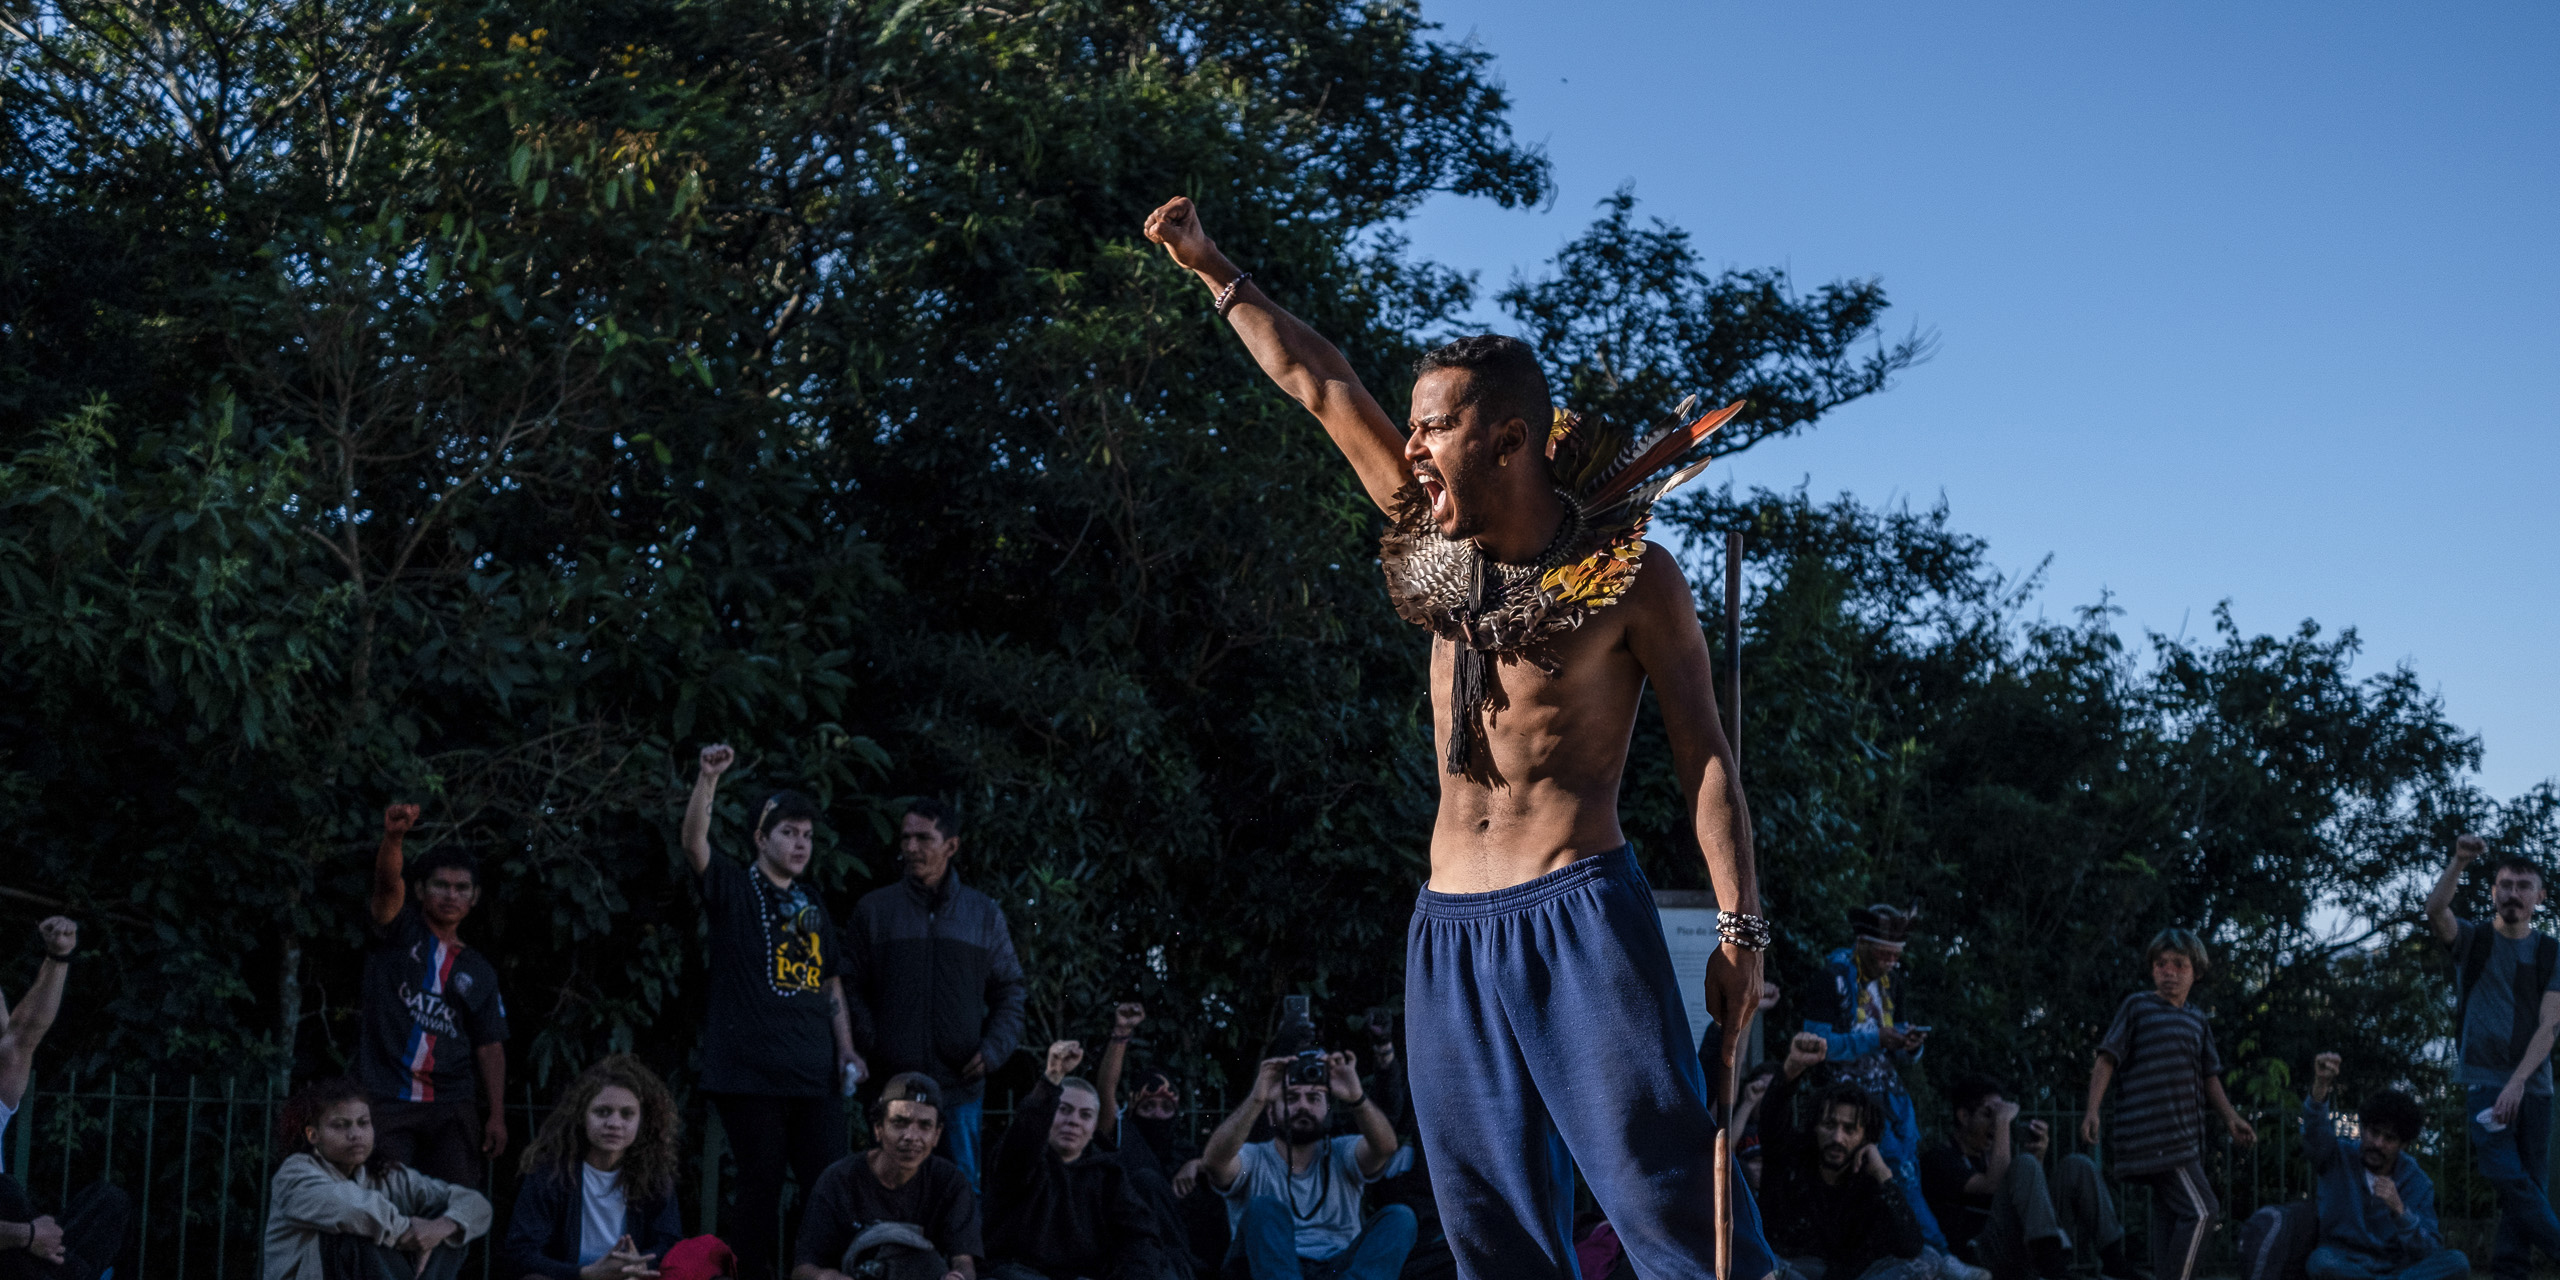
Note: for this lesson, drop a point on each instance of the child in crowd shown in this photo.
(338, 1210)
(599, 1195)
(2164, 1051)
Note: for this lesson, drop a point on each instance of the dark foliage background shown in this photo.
(486, 405)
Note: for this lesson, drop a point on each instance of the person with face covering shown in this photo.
(2377, 1209)
(2507, 988)
(1147, 1138)
(1828, 1201)
(338, 1209)
(1056, 1208)
(777, 1047)
(1293, 1202)
(598, 1200)
(937, 988)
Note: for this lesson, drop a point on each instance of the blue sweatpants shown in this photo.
(1544, 1031)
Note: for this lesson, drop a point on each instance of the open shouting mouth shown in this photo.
(1433, 492)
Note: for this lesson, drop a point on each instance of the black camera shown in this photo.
(1309, 1068)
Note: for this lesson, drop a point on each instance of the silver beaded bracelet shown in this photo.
(1750, 933)
(1227, 296)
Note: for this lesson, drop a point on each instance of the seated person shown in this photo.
(1988, 1187)
(897, 1203)
(86, 1239)
(1831, 1209)
(1294, 1202)
(1057, 1210)
(2378, 1210)
(1746, 1122)
(598, 1201)
(338, 1210)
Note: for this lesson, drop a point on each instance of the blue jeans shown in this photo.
(2516, 1160)
(1266, 1246)
(960, 1122)
(2329, 1262)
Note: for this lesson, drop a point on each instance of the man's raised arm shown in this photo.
(1306, 366)
(2440, 900)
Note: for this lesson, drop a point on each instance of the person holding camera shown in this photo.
(1294, 1201)
(1989, 1188)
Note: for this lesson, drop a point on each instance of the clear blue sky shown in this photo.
(2245, 302)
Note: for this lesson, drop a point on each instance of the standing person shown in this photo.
(90, 1233)
(1833, 1209)
(778, 1042)
(2377, 1211)
(340, 1209)
(1988, 1186)
(935, 978)
(433, 1060)
(1293, 1202)
(1535, 955)
(2507, 982)
(598, 1200)
(1870, 1039)
(2164, 1050)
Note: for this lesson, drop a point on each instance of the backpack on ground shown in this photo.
(2276, 1241)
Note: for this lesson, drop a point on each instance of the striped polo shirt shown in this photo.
(2164, 1054)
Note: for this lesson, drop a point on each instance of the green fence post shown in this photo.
(222, 1211)
(186, 1173)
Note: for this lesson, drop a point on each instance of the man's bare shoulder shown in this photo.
(1661, 594)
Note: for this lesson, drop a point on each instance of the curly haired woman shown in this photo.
(599, 1195)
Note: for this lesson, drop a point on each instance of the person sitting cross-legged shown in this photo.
(1056, 1208)
(1294, 1201)
(2377, 1209)
(898, 1205)
(1990, 1188)
(1829, 1206)
(338, 1209)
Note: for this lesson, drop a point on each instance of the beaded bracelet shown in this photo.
(1750, 933)
(1227, 296)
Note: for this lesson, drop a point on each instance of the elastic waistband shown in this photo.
(1616, 864)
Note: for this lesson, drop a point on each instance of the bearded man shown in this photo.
(1537, 983)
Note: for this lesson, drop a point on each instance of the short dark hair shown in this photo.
(2185, 943)
(312, 1104)
(785, 806)
(1503, 376)
(907, 1086)
(2519, 863)
(944, 818)
(1968, 1093)
(435, 860)
(2394, 1112)
(1845, 1094)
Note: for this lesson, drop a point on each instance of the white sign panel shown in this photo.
(1691, 933)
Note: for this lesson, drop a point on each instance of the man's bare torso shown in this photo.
(1542, 789)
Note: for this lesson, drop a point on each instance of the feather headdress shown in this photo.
(1609, 480)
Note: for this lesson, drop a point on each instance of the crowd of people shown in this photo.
(913, 1001)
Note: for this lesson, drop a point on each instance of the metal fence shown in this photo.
(196, 1156)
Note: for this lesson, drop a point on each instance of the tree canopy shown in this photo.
(487, 405)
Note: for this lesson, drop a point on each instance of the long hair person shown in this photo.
(599, 1179)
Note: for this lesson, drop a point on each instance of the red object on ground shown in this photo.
(700, 1258)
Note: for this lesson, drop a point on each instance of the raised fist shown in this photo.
(717, 758)
(2324, 1067)
(398, 819)
(1804, 1052)
(1064, 1055)
(61, 935)
(1125, 1019)
(2466, 847)
(1176, 225)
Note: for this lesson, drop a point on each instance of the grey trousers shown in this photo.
(2072, 1203)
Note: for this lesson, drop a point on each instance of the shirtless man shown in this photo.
(1542, 1017)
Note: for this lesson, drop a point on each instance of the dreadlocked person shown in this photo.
(1537, 982)
(1869, 1041)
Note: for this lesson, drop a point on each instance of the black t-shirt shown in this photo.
(769, 1029)
(1944, 1169)
(849, 1197)
(427, 1005)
